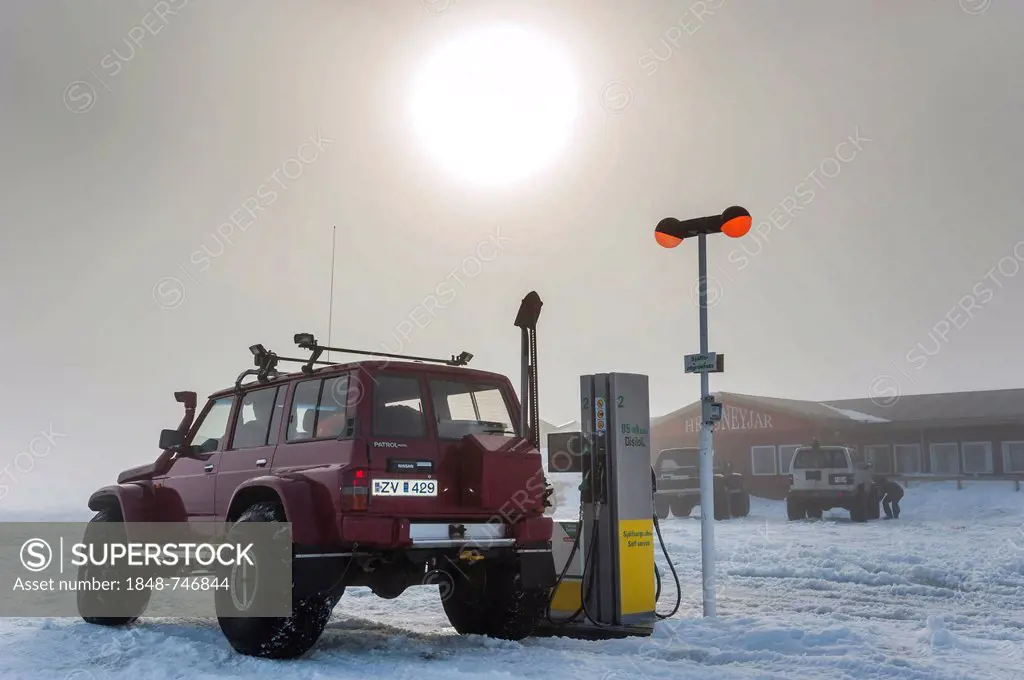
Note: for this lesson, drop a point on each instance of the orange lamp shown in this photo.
(666, 240)
(736, 222)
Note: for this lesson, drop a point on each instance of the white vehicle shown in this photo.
(826, 477)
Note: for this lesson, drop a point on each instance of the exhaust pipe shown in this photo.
(529, 413)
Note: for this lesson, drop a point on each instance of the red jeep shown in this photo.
(391, 474)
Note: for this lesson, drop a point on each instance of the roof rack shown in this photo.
(265, 361)
(308, 342)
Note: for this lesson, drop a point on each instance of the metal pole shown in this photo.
(707, 452)
(330, 305)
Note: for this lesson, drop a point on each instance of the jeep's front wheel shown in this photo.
(661, 508)
(96, 606)
(491, 600)
(280, 637)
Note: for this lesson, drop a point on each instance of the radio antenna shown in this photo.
(330, 306)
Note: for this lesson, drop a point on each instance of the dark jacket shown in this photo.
(891, 489)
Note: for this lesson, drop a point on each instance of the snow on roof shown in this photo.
(857, 415)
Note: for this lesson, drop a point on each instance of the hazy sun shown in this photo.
(495, 105)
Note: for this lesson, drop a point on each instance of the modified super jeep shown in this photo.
(677, 486)
(391, 474)
(826, 477)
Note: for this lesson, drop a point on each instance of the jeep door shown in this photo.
(408, 477)
(257, 427)
(189, 485)
(319, 424)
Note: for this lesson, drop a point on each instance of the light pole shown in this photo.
(670, 232)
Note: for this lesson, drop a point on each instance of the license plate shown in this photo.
(405, 487)
(842, 479)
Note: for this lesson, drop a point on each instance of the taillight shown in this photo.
(355, 490)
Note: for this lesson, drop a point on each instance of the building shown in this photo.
(951, 434)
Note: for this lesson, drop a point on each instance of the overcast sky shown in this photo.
(877, 145)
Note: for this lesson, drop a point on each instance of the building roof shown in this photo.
(1007, 405)
(795, 407)
(916, 409)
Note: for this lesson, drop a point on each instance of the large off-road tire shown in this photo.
(272, 637)
(740, 504)
(680, 508)
(874, 504)
(795, 509)
(860, 508)
(662, 507)
(721, 501)
(490, 600)
(134, 601)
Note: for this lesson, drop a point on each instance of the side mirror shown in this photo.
(171, 439)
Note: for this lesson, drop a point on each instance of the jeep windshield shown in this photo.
(463, 408)
(822, 459)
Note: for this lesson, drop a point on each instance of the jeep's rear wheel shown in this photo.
(740, 504)
(491, 600)
(795, 508)
(282, 637)
(721, 501)
(93, 603)
(859, 510)
(681, 508)
(661, 508)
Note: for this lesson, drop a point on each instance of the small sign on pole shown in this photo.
(708, 362)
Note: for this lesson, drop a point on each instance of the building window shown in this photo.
(907, 458)
(977, 458)
(1013, 457)
(945, 458)
(763, 461)
(880, 458)
(786, 454)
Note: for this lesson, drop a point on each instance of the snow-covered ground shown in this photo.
(937, 594)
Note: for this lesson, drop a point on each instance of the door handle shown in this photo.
(208, 467)
(262, 462)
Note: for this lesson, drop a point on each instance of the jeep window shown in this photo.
(213, 427)
(252, 425)
(463, 408)
(398, 407)
(823, 459)
(319, 409)
(676, 460)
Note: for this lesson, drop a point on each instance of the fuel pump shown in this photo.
(608, 584)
